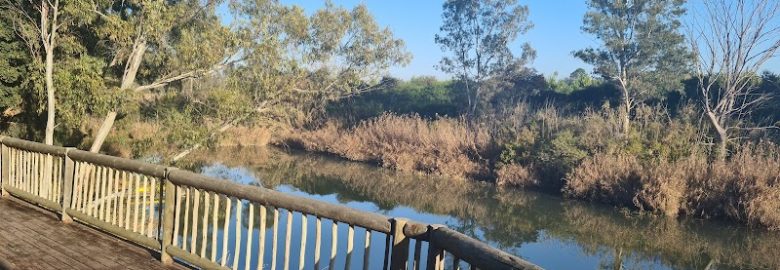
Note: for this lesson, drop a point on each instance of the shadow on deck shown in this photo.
(31, 238)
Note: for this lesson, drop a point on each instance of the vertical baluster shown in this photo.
(7, 168)
(76, 184)
(102, 197)
(127, 180)
(177, 217)
(317, 242)
(152, 207)
(195, 208)
(144, 196)
(60, 177)
(115, 197)
(387, 252)
(138, 200)
(333, 244)
(55, 179)
(83, 186)
(205, 227)
(26, 177)
(214, 220)
(304, 231)
(185, 236)
(261, 250)
(367, 250)
(275, 239)
(225, 231)
(350, 246)
(91, 192)
(249, 231)
(35, 173)
(417, 252)
(237, 247)
(287, 238)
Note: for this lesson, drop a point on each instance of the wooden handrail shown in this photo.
(118, 163)
(274, 198)
(103, 175)
(33, 146)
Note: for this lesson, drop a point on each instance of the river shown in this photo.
(544, 229)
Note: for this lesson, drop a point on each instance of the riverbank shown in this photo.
(662, 167)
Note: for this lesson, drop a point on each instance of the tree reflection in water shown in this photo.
(509, 219)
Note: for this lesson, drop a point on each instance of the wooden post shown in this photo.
(169, 193)
(435, 253)
(67, 186)
(400, 256)
(5, 169)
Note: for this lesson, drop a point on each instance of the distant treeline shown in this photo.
(430, 97)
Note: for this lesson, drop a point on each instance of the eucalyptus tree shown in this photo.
(290, 64)
(642, 50)
(149, 44)
(732, 41)
(477, 36)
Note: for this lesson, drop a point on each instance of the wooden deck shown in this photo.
(31, 238)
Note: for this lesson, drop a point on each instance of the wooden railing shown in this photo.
(217, 224)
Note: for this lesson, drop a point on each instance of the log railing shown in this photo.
(218, 224)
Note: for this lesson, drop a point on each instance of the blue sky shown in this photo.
(556, 32)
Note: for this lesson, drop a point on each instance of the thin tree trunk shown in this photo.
(133, 63)
(50, 107)
(625, 109)
(128, 80)
(103, 132)
(722, 139)
(49, 41)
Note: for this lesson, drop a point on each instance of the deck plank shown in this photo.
(32, 238)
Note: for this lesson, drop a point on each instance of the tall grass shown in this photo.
(444, 146)
(745, 188)
(662, 166)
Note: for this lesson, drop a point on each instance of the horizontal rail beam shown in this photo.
(193, 259)
(29, 197)
(115, 230)
(475, 252)
(118, 163)
(33, 146)
(374, 222)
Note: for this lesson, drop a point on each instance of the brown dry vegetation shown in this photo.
(662, 166)
(445, 146)
(745, 188)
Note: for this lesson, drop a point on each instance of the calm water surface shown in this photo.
(544, 229)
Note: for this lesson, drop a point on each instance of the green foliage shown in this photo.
(424, 96)
(641, 46)
(476, 35)
(14, 62)
(577, 80)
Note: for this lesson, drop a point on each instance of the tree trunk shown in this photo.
(625, 114)
(50, 108)
(103, 132)
(128, 80)
(721, 149)
(475, 100)
(133, 63)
